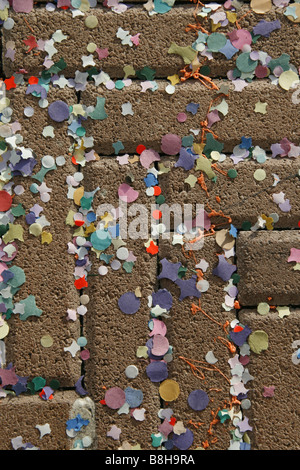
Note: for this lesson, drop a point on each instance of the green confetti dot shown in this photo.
(80, 131)
(246, 225)
(245, 64)
(205, 70)
(235, 278)
(55, 384)
(160, 199)
(119, 84)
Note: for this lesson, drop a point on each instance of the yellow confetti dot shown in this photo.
(91, 47)
(287, 79)
(169, 390)
(46, 341)
(259, 174)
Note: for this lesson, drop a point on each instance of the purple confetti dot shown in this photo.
(157, 371)
(129, 303)
(183, 441)
(58, 111)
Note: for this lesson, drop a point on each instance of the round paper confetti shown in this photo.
(103, 270)
(169, 390)
(198, 400)
(259, 174)
(48, 161)
(100, 239)
(181, 117)
(183, 441)
(28, 111)
(115, 398)
(157, 371)
(287, 79)
(91, 22)
(263, 308)
(134, 398)
(58, 111)
(170, 89)
(170, 144)
(216, 41)
(128, 303)
(46, 341)
(131, 372)
(258, 341)
(122, 253)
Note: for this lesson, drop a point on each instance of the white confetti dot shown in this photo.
(28, 111)
(48, 161)
(103, 270)
(122, 253)
(170, 89)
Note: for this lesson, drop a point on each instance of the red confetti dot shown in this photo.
(299, 223)
(140, 148)
(157, 190)
(33, 80)
(5, 201)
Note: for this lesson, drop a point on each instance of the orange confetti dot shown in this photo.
(157, 190)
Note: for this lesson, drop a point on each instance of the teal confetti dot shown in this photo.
(216, 41)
